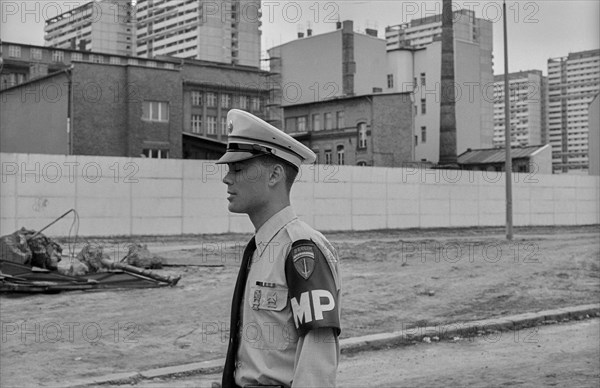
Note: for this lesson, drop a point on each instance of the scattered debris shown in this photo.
(31, 248)
(29, 263)
(139, 256)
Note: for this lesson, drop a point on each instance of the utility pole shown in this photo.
(507, 138)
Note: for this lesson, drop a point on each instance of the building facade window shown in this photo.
(327, 156)
(225, 100)
(423, 106)
(340, 155)
(211, 125)
(96, 58)
(301, 124)
(316, 122)
(243, 102)
(362, 135)
(423, 134)
(390, 81)
(328, 121)
(211, 100)
(76, 57)
(115, 60)
(14, 51)
(155, 111)
(361, 163)
(155, 153)
(255, 103)
(290, 124)
(150, 63)
(196, 97)
(58, 56)
(340, 120)
(196, 123)
(36, 54)
(223, 125)
(132, 61)
(423, 79)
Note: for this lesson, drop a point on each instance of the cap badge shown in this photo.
(230, 126)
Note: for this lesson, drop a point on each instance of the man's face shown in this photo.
(247, 186)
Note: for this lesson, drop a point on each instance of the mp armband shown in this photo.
(313, 295)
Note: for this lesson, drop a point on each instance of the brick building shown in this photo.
(367, 130)
(95, 109)
(87, 103)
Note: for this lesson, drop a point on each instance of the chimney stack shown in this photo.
(300, 34)
(309, 32)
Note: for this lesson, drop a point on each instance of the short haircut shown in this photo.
(291, 172)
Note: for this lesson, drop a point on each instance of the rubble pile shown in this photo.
(29, 263)
(31, 248)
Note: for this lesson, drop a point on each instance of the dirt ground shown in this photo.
(524, 358)
(391, 280)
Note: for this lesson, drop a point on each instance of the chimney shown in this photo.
(371, 32)
(309, 32)
(448, 151)
(348, 26)
(301, 35)
(348, 63)
(338, 25)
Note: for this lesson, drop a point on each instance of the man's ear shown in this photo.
(277, 174)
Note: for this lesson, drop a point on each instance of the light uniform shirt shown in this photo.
(284, 339)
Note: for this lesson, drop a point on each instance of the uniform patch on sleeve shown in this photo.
(303, 257)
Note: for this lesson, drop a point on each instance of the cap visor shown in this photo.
(232, 157)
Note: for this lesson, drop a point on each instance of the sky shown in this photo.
(537, 30)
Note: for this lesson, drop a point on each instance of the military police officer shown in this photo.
(285, 318)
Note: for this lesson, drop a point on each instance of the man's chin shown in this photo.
(234, 209)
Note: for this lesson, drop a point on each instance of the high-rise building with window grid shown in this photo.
(527, 108)
(226, 31)
(105, 26)
(573, 82)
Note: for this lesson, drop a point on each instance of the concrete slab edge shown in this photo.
(410, 335)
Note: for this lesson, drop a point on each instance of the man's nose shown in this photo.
(227, 179)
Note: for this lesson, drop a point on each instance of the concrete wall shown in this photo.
(133, 196)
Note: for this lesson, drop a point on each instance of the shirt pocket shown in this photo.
(269, 324)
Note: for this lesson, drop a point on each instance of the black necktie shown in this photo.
(236, 304)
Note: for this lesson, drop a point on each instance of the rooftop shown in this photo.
(497, 155)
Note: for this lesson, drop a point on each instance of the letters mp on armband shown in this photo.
(322, 300)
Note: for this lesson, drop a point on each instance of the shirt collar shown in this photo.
(269, 229)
